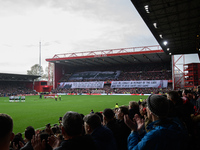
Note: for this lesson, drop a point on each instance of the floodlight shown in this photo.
(146, 7)
(165, 42)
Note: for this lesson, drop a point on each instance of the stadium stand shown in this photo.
(16, 88)
(173, 24)
(16, 84)
(177, 113)
(151, 71)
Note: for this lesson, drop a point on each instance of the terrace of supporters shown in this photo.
(107, 74)
(135, 72)
(186, 117)
(14, 88)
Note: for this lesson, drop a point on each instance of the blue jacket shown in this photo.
(170, 135)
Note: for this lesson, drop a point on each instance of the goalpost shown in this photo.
(98, 91)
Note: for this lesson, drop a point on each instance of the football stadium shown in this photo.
(133, 92)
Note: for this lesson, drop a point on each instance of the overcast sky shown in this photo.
(65, 26)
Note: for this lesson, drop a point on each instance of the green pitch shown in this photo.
(38, 112)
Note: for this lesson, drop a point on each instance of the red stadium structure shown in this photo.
(192, 75)
(41, 86)
(65, 63)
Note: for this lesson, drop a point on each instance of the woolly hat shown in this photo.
(158, 105)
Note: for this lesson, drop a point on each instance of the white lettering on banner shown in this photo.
(140, 84)
(85, 85)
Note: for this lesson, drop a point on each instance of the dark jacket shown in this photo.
(82, 142)
(27, 146)
(124, 133)
(104, 139)
(183, 111)
(114, 127)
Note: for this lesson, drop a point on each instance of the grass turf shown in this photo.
(38, 112)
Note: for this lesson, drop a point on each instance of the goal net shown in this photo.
(98, 91)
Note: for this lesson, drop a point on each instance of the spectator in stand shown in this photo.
(6, 131)
(17, 142)
(181, 109)
(48, 129)
(198, 103)
(187, 96)
(143, 114)
(142, 108)
(29, 133)
(124, 129)
(110, 122)
(44, 137)
(165, 133)
(100, 115)
(72, 133)
(133, 109)
(194, 99)
(178, 109)
(102, 136)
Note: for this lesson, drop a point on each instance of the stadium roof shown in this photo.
(146, 54)
(17, 77)
(174, 23)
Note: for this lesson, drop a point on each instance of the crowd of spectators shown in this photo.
(108, 90)
(14, 88)
(159, 122)
(149, 71)
(145, 75)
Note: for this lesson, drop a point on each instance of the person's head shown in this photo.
(44, 136)
(194, 96)
(173, 96)
(72, 124)
(100, 115)
(123, 110)
(157, 107)
(186, 92)
(142, 107)
(17, 139)
(91, 122)
(48, 125)
(92, 111)
(134, 105)
(6, 128)
(29, 132)
(108, 115)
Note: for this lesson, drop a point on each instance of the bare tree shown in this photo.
(35, 70)
(49, 73)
